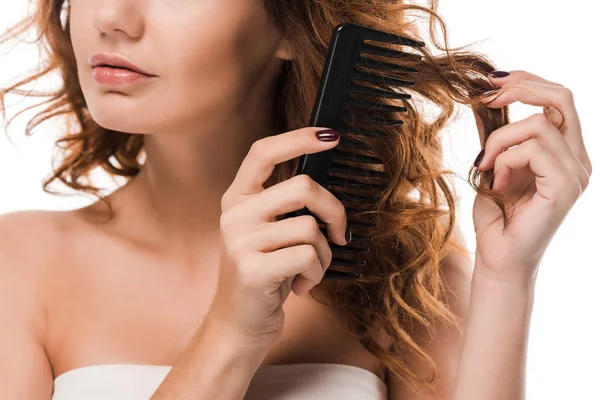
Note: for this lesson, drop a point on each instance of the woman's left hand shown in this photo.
(544, 174)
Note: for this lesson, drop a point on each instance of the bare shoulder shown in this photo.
(29, 243)
(32, 236)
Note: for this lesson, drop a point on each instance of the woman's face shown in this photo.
(209, 57)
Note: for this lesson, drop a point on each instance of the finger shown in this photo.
(289, 232)
(553, 181)
(294, 194)
(540, 94)
(266, 153)
(520, 75)
(299, 260)
(536, 126)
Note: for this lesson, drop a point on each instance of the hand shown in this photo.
(544, 174)
(263, 258)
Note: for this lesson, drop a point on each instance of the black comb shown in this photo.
(337, 107)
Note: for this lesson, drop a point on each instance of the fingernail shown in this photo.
(479, 157)
(499, 74)
(348, 235)
(328, 135)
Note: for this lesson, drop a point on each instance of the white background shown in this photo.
(554, 40)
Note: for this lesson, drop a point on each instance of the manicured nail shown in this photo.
(479, 157)
(499, 74)
(348, 235)
(328, 135)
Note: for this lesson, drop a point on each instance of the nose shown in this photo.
(119, 17)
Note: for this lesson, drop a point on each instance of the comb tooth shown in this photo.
(377, 92)
(374, 106)
(381, 36)
(351, 224)
(356, 224)
(342, 262)
(349, 250)
(333, 274)
(357, 157)
(355, 211)
(385, 66)
(385, 80)
(344, 196)
(350, 183)
(348, 169)
(348, 141)
(373, 119)
(345, 128)
(355, 236)
(382, 51)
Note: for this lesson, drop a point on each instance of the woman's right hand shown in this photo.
(263, 259)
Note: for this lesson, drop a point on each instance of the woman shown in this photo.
(179, 289)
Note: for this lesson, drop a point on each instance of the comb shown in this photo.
(348, 95)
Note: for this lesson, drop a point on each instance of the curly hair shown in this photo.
(404, 283)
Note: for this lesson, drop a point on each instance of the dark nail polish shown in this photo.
(479, 157)
(499, 74)
(328, 135)
(348, 235)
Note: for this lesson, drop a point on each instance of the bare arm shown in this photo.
(25, 372)
(493, 358)
(214, 365)
(486, 361)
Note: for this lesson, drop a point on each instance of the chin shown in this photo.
(109, 113)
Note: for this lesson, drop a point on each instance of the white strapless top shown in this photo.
(310, 381)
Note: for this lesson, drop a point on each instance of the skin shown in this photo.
(70, 303)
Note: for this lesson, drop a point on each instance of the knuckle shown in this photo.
(342, 210)
(540, 121)
(499, 160)
(227, 220)
(225, 201)
(536, 145)
(328, 258)
(570, 187)
(309, 255)
(573, 188)
(310, 225)
(235, 247)
(582, 173)
(305, 184)
(567, 94)
(259, 149)
(248, 268)
(585, 181)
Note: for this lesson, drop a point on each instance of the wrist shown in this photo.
(221, 331)
(490, 276)
(214, 365)
(493, 293)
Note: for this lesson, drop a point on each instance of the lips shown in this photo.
(115, 61)
(114, 70)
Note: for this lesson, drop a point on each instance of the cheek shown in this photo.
(216, 62)
(81, 37)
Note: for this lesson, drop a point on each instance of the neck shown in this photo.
(176, 197)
